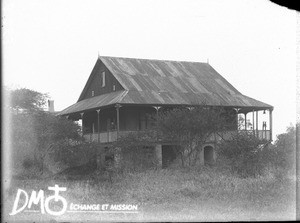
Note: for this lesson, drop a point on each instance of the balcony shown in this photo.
(261, 134)
(111, 136)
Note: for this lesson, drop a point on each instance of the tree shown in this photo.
(284, 152)
(191, 128)
(245, 154)
(36, 133)
(26, 99)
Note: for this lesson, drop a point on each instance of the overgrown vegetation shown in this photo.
(190, 129)
(26, 100)
(245, 154)
(242, 154)
(39, 139)
(135, 151)
(179, 194)
(283, 153)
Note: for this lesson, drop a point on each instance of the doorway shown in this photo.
(168, 155)
(208, 155)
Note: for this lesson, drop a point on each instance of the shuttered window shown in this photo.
(103, 78)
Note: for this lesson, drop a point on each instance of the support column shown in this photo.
(98, 124)
(81, 114)
(156, 108)
(237, 117)
(118, 106)
(158, 154)
(92, 134)
(257, 133)
(245, 121)
(253, 123)
(270, 123)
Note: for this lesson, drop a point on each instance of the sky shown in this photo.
(51, 46)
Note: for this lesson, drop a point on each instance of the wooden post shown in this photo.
(92, 134)
(237, 117)
(98, 124)
(118, 106)
(253, 123)
(158, 154)
(245, 121)
(156, 108)
(81, 114)
(257, 133)
(270, 123)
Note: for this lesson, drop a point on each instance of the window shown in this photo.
(93, 93)
(103, 78)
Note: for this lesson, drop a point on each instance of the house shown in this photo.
(120, 92)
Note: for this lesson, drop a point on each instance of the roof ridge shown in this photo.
(132, 58)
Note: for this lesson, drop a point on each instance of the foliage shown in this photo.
(26, 99)
(245, 154)
(137, 150)
(176, 194)
(284, 152)
(35, 133)
(73, 154)
(190, 129)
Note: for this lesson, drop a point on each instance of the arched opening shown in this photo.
(168, 155)
(208, 155)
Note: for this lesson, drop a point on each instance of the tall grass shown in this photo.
(174, 188)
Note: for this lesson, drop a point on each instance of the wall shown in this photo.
(94, 82)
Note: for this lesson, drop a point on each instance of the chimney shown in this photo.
(51, 105)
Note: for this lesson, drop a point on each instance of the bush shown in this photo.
(284, 153)
(37, 134)
(71, 155)
(245, 154)
(136, 152)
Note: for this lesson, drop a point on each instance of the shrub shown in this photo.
(244, 153)
(136, 152)
(191, 128)
(35, 133)
(72, 155)
(283, 153)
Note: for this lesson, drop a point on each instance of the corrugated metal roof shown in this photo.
(185, 77)
(166, 82)
(94, 102)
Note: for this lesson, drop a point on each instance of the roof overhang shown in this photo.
(243, 103)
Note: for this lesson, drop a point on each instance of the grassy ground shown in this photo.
(169, 195)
